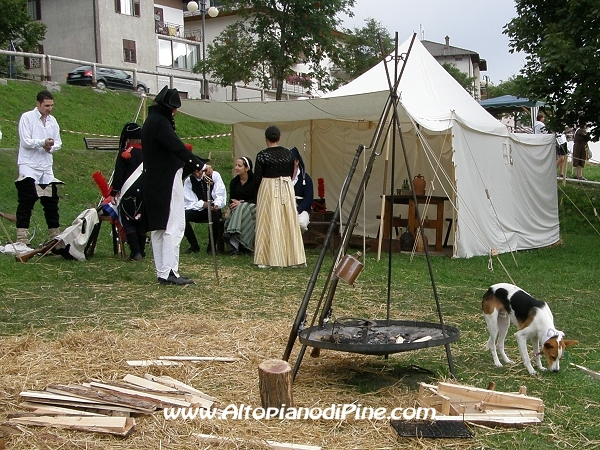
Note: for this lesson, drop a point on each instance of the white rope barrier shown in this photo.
(211, 136)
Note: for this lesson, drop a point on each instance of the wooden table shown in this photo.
(413, 224)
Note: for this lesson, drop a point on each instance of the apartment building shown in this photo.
(128, 34)
(466, 61)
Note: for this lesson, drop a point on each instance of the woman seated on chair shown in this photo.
(239, 228)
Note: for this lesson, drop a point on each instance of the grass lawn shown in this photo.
(68, 321)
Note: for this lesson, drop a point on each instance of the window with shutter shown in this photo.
(129, 53)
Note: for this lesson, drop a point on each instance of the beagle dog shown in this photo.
(504, 303)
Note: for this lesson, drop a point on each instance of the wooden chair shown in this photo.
(118, 244)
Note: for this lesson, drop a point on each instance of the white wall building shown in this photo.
(466, 61)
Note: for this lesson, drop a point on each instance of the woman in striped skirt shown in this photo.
(278, 241)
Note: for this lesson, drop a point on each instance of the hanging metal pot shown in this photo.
(349, 268)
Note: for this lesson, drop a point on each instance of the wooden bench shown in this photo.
(317, 231)
(105, 143)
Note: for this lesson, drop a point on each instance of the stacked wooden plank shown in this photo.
(177, 360)
(106, 407)
(483, 406)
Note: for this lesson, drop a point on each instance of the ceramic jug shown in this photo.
(419, 184)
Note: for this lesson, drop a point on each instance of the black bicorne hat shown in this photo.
(131, 130)
(169, 98)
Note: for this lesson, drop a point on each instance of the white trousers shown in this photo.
(165, 243)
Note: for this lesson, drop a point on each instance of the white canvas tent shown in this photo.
(502, 186)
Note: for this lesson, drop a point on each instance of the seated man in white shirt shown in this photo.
(196, 189)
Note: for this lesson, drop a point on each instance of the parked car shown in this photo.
(105, 78)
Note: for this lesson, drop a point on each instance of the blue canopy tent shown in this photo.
(509, 104)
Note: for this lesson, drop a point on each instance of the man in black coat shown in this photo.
(165, 156)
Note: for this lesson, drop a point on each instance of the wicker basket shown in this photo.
(419, 242)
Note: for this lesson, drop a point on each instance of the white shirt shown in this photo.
(219, 194)
(33, 160)
(539, 127)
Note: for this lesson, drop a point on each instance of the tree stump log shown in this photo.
(275, 384)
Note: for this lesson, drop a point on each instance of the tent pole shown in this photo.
(382, 210)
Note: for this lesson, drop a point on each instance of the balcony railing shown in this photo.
(193, 35)
(168, 29)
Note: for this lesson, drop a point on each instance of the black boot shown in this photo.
(132, 241)
(142, 238)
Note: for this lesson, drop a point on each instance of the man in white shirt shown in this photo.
(39, 138)
(196, 189)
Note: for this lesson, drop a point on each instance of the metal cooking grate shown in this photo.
(432, 429)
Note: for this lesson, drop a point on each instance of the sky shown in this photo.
(474, 25)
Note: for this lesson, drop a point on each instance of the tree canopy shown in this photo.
(279, 34)
(230, 54)
(512, 86)
(17, 26)
(562, 40)
(463, 79)
(360, 50)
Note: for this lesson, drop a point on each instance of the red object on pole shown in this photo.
(321, 188)
(101, 183)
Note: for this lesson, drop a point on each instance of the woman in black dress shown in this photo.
(239, 228)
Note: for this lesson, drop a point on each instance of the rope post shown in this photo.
(48, 68)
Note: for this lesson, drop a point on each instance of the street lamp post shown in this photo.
(212, 12)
